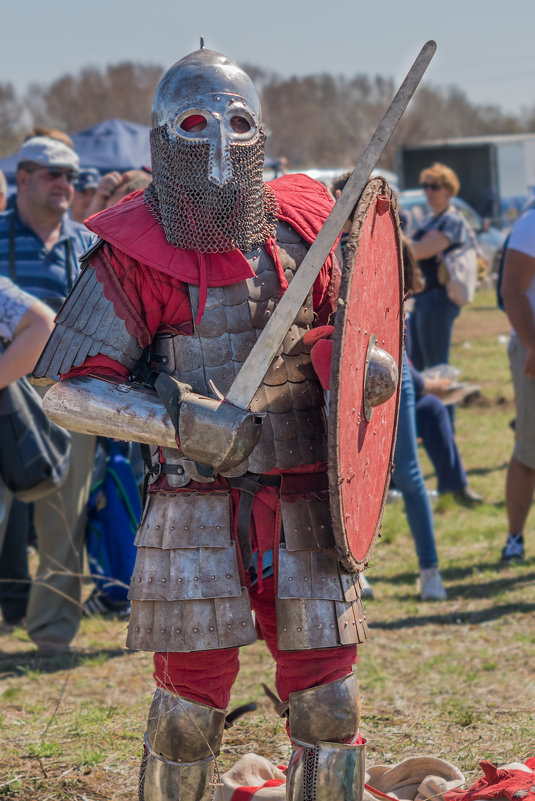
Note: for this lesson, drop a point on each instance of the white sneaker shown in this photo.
(365, 587)
(431, 587)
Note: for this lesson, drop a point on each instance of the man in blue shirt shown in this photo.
(39, 243)
(39, 250)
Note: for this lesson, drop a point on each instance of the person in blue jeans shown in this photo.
(409, 480)
(444, 230)
(433, 426)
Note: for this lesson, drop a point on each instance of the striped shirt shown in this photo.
(46, 274)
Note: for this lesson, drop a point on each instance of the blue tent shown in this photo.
(110, 145)
(113, 145)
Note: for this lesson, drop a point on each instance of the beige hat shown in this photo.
(48, 152)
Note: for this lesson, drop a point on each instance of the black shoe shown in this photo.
(513, 550)
(467, 496)
(98, 604)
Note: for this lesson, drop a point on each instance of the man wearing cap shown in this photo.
(85, 187)
(39, 249)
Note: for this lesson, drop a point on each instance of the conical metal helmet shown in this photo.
(204, 77)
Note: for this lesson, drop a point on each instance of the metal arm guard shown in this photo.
(182, 740)
(212, 432)
(322, 767)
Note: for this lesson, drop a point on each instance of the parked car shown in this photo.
(490, 239)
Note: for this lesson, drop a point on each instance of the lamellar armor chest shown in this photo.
(290, 397)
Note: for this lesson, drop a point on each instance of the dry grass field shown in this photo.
(452, 679)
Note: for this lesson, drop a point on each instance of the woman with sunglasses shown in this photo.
(445, 229)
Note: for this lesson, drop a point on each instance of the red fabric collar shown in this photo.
(130, 227)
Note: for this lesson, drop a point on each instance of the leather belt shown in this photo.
(249, 485)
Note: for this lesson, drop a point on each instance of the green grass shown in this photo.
(452, 679)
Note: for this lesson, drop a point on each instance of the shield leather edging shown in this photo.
(370, 303)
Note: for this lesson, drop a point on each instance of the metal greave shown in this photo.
(322, 766)
(182, 741)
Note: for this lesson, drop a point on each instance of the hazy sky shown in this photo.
(486, 48)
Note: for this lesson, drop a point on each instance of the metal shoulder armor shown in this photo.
(86, 325)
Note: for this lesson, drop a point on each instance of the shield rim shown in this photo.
(374, 188)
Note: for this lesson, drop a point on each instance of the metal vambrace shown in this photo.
(182, 741)
(322, 766)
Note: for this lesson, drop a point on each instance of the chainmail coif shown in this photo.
(195, 213)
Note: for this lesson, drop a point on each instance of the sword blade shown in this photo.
(268, 343)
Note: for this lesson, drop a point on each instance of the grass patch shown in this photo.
(452, 679)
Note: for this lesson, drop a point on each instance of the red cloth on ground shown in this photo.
(518, 785)
(207, 676)
(246, 793)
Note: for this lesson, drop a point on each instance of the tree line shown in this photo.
(312, 121)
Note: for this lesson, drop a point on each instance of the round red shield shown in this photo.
(361, 440)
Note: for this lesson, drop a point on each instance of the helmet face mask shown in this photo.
(219, 120)
(207, 147)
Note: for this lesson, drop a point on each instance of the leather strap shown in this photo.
(249, 485)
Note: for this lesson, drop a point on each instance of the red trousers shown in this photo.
(208, 676)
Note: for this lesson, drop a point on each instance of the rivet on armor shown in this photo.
(201, 526)
(162, 631)
(284, 628)
(186, 528)
(180, 578)
(164, 580)
(149, 631)
(137, 628)
(150, 579)
(196, 631)
(229, 626)
(210, 628)
(332, 625)
(318, 626)
(244, 622)
(290, 578)
(229, 575)
(213, 578)
(305, 578)
(195, 578)
(178, 631)
(299, 628)
(157, 528)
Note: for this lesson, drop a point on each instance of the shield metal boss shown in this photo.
(362, 428)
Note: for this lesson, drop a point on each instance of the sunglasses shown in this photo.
(432, 187)
(53, 173)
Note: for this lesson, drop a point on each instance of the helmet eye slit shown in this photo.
(193, 123)
(240, 124)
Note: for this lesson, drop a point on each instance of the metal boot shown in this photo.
(182, 740)
(322, 767)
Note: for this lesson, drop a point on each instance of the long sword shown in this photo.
(268, 343)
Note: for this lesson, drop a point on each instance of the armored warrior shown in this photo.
(174, 294)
